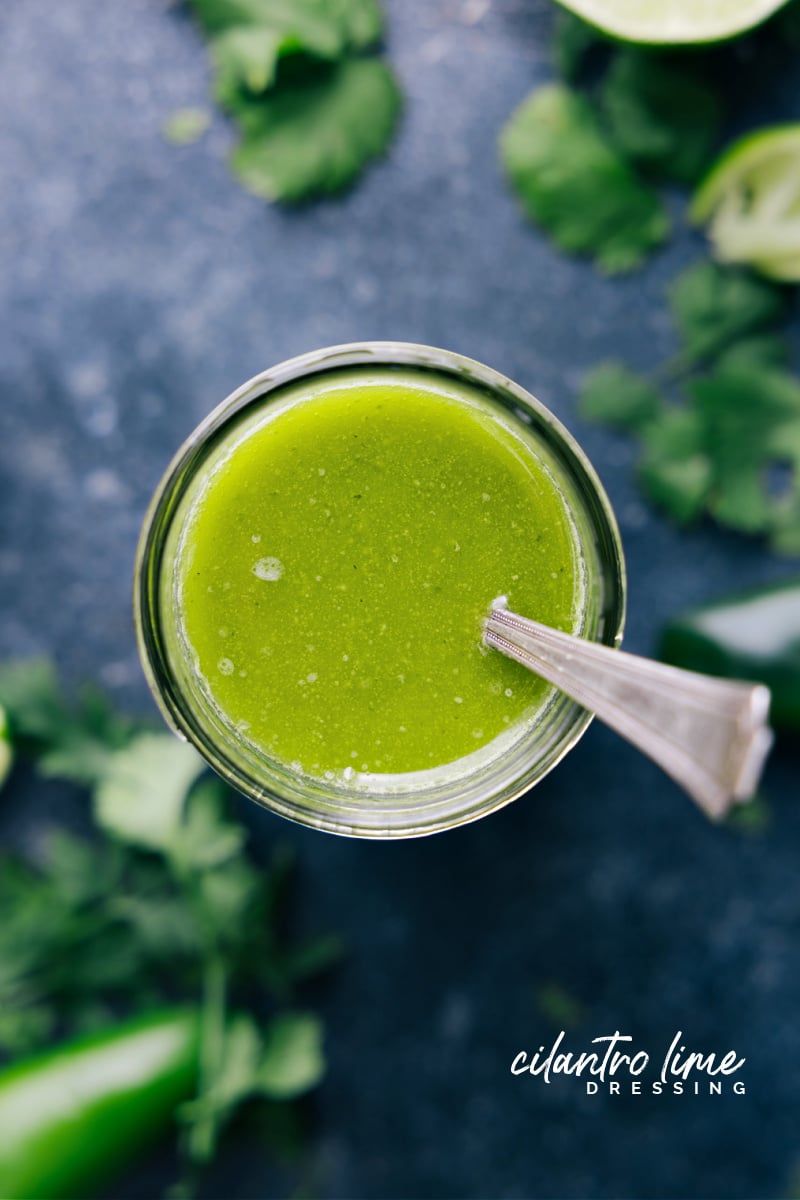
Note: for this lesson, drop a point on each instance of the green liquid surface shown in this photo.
(338, 562)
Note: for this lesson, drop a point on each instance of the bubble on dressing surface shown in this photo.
(269, 569)
(225, 666)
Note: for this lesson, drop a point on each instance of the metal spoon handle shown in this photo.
(710, 735)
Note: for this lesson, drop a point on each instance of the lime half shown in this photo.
(6, 756)
(750, 201)
(674, 21)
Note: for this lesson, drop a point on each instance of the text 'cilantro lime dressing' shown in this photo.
(336, 566)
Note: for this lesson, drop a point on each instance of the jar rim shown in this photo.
(278, 792)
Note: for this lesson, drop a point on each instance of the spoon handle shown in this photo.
(710, 735)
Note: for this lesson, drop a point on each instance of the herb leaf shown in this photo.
(675, 470)
(140, 798)
(313, 137)
(204, 838)
(618, 396)
(323, 27)
(732, 449)
(312, 113)
(292, 1061)
(714, 305)
(166, 904)
(752, 421)
(660, 115)
(68, 742)
(572, 182)
(573, 42)
(235, 1075)
(246, 58)
(32, 701)
(755, 351)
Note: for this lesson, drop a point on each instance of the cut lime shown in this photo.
(6, 757)
(750, 201)
(674, 21)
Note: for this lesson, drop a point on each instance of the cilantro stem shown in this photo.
(203, 1135)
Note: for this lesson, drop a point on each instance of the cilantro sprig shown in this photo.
(163, 903)
(571, 181)
(728, 445)
(631, 120)
(312, 103)
(586, 155)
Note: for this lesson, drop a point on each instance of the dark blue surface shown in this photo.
(139, 286)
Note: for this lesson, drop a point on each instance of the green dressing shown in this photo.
(340, 556)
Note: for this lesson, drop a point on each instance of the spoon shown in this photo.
(710, 735)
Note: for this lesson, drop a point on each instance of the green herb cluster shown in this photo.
(312, 105)
(586, 156)
(729, 444)
(162, 904)
(719, 426)
(723, 447)
(589, 157)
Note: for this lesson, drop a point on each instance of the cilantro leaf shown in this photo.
(204, 838)
(140, 797)
(360, 20)
(230, 893)
(785, 531)
(755, 351)
(313, 136)
(59, 944)
(236, 1074)
(87, 736)
(614, 394)
(310, 112)
(25, 1028)
(234, 1080)
(717, 453)
(30, 695)
(714, 305)
(675, 470)
(732, 450)
(167, 903)
(216, 15)
(246, 58)
(322, 27)
(572, 182)
(79, 872)
(660, 114)
(573, 42)
(752, 421)
(160, 924)
(286, 1062)
(292, 1061)
(68, 742)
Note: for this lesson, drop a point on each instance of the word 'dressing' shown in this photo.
(616, 1065)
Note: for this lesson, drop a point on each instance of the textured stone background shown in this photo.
(139, 286)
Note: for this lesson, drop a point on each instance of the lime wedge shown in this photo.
(5, 747)
(674, 21)
(750, 201)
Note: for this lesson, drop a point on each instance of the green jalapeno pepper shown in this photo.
(70, 1117)
(753, 635)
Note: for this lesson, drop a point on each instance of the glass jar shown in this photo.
(416, 805)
